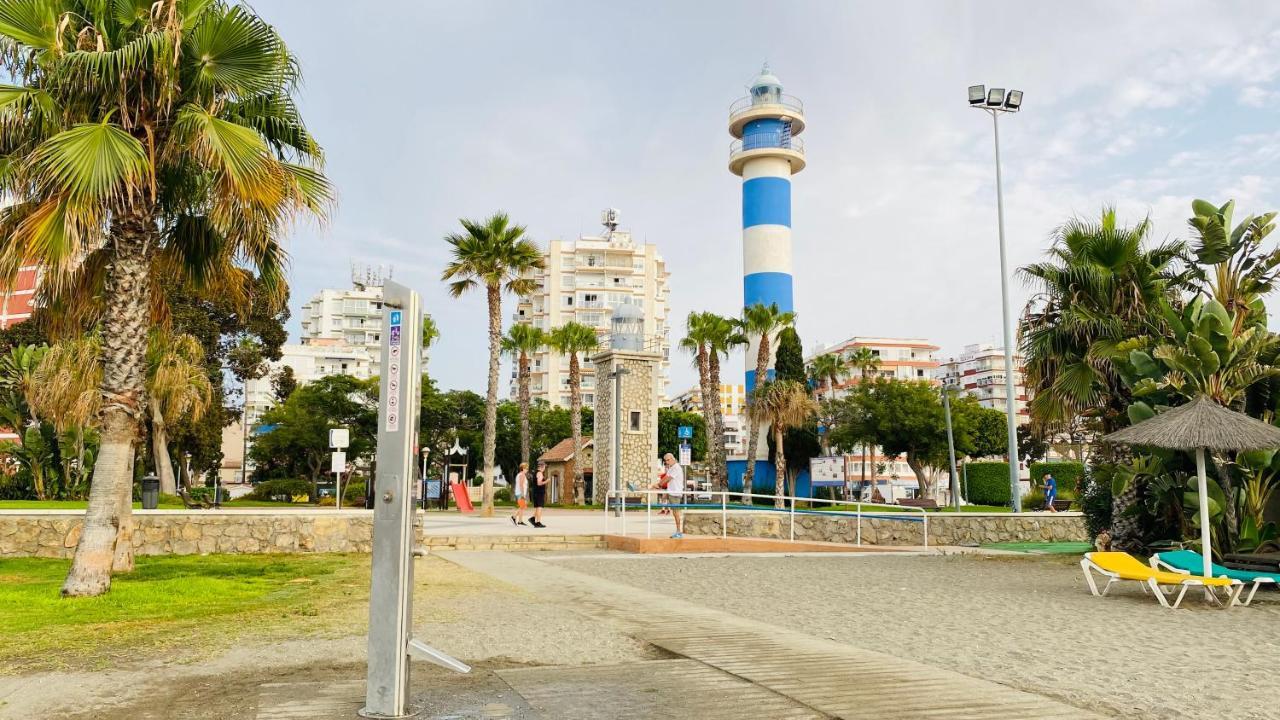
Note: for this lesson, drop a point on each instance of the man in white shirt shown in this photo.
(674, 477)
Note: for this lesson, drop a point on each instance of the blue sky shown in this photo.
(552, 111)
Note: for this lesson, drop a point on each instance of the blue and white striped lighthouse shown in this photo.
(765, 154)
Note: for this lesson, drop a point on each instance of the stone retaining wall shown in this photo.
(944, 528)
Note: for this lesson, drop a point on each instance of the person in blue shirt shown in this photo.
(1050, 491)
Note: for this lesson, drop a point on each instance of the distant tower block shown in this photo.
(765, 154)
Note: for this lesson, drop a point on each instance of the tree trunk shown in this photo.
(779, 468)
(710, 401)
(753, 437)
(575, 413)
(922, 480)
(1126, 532)
(105, 540)
(523, 380)
(491, 398)
(160, 450)
(720, 466)
(1230, 514)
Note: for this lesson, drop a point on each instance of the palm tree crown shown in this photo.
(571, 339)
(828, 370)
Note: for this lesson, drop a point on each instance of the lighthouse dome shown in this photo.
(766, 88)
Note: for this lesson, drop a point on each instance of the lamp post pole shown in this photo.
(618, 372)
(951, 447)
(995, 102)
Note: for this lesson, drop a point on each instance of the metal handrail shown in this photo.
(791, 510)
(793, 144)
(746, 104)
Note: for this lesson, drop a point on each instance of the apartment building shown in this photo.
(981, 371)
(733, 408)
(902, 358)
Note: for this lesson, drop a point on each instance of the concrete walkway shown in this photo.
(824, 676)
(558, 522)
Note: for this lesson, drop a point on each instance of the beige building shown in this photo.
(980, 372)
(733, 408)
(902, 358)
(585, 281)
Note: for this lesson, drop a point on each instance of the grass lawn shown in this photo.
(1044, 548)
(164, 505)
(191, 603)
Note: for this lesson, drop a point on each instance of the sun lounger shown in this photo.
(1123, 566)
(1187, 561)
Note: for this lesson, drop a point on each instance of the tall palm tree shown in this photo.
(761, 322)
(697, 342)
(826, 371)
(522, 341)
(782, 404)
(177, 387)
(867, 363)
(493, 254)
(143, 140)
(722, 337)
(570, 339)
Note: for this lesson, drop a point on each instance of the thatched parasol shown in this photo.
(1201, 423)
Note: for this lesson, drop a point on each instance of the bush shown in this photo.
(987, 483)
(282, 490)
(1068, 475)
(1095, 499)
(1033, 501)
(327, 501)
(502, 495)
(353, 493)
(206, 494)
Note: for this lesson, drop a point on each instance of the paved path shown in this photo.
(558, 522)
(825, 676)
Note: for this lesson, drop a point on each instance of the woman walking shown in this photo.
(539, 494)
(521, 490)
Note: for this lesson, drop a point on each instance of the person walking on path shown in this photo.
(538, 493)
(1050, 492)
(672, 480)
(521, 491)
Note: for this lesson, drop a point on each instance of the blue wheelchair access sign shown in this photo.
(684, 431)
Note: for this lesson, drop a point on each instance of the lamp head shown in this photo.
(977, 94)
(1014, 100)
(995, 97)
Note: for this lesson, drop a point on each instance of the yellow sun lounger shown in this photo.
(1123, 566)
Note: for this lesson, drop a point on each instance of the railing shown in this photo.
(749, 103)
(616, 502)
(762, 142)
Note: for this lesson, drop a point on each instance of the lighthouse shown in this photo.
(765, 153)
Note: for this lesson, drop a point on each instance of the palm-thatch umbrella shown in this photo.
(1200, 424)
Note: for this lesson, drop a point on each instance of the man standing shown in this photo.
(538, 494)
(1050, 492)
(673, 477)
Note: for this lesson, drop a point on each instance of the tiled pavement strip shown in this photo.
(828, 677)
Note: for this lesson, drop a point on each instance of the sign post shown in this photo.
(339, 440)
(391, 586)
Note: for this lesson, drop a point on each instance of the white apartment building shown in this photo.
(313, 359)
(352, 317)
(980, 372)
(902, 358)
(583, 281)
(733, 408)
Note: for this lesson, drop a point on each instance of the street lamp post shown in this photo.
(995, 102)
(951, 445)
(616, 375)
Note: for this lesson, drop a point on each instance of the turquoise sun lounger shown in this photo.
(1189, 561)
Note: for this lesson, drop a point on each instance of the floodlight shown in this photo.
(995, 96)
(977, 93)
(1014, 100)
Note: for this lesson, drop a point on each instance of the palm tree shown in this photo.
(177, 388)
(761, 322)
(494, 254)
(570, 339)
(722, 336)
(68, 378)
(140, 141)
(520, 342)
(826, 371)
(867, 363)
(697, 341)
(781, 405)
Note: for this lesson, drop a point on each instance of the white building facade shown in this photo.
(980, 372)
(733, 408)
(583, 281)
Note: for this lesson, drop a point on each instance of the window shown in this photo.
(919, 373)
(635, 421)
(591, 261)
(589, 399)
(568, 300)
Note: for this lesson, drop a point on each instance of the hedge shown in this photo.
(987, 483)
(1068, 475)
(282, 489)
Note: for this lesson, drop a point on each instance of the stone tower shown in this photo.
(630, 369)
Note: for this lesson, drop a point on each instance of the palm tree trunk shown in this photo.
(523, 379)
(1126, 532)
(105, 541)
(491, 398)
(779, 468)
(160, 451)
(709, 402)
(575, 412)
(762, 370)
(719, 463)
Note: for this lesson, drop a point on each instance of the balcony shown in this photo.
(770, 145)
(744, 110)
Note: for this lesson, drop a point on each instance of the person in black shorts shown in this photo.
(538, 494)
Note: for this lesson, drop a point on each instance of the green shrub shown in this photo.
(502, 495)
(206, 494)
(1068, 475)
(987, 483)
(353, 493)
(1095, 499)
(282, 490)
(327, 501)
(1033, 501)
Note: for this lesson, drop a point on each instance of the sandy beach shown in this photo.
(1026, 622)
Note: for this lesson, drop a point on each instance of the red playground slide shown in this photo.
(461, 498)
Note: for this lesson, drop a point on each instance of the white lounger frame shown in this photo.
(1158, 564)
(1091, 567)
